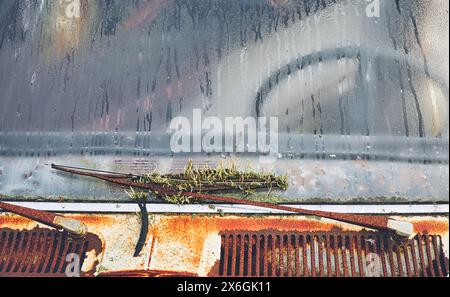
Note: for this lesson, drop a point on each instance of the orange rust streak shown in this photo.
(94, 219)
(7, 221)
(208, 224)
(21, 222)
(427, 226)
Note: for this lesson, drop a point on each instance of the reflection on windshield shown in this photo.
(322, 67)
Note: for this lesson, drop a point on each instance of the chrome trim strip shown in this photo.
(231, 209)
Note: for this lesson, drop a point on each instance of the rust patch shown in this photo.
(184, 236)
(14, 220)
(430, 226)
(181, 224)
(90, 219)
(93, 219)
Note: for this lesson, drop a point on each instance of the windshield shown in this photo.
(358, 92)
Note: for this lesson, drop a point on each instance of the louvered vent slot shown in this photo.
(39, 252)
(330, 255)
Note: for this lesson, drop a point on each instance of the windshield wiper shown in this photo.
(404, 229)
(72, 226)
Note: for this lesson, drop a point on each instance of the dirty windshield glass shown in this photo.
(351, 96)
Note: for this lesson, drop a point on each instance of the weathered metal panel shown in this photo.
(191, 244)
(310, 181)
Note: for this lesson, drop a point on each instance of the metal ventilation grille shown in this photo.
(39, 252)
(329, 254)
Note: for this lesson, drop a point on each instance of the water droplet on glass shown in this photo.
(33, 78)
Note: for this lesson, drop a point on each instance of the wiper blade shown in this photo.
(72, 226)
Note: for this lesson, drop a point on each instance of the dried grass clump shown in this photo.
(204, 179)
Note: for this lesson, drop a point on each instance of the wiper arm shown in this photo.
(72, 226)
(404, 229)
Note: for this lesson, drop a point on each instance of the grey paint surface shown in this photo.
(310, 181)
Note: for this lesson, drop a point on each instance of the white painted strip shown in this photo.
(231, 209)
